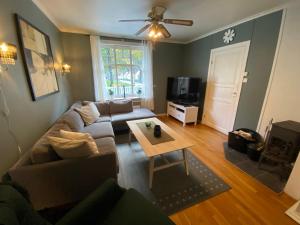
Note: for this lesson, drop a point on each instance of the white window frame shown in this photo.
(124, 45)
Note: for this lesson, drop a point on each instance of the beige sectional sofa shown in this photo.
(52, 181)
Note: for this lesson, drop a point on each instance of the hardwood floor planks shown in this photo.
(248, 202)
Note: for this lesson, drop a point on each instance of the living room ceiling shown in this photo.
(101, 16)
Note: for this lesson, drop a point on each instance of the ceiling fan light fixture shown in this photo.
(151, 33)
(155, 32)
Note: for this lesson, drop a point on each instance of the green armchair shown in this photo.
(108, 205)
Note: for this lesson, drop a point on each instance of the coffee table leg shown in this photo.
(151, 171)
(129, 137)
(184, 152)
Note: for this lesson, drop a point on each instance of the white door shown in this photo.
(224, 83)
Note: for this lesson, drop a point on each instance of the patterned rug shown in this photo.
(172, 189)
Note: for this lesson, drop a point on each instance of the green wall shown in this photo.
(77, 52)
(29, 119)
(167, 62)
(263, 33)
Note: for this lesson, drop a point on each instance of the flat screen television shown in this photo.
(184, 90)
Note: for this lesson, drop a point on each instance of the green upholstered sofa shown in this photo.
(107, 205)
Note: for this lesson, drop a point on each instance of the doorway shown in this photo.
(224, 83)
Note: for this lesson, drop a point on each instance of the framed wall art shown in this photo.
(38, 59)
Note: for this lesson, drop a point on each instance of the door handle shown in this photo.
(234, 94)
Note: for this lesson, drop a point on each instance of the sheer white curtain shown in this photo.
(148, 100)
(100, 89)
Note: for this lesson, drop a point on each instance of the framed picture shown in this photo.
(38, 59)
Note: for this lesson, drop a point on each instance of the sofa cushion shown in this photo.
(99, 130)
(106, 145)
(139, 113)
(122, 106)
(89, 113)
(103, 107)
(134, 209)
(103, 119)
(70, 149)
(79, 136)
(77, 104)
(42, 151)
(16, 210)
(73, 119)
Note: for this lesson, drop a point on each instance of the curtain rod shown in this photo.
(120, 39)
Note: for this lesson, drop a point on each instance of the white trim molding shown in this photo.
(266, 12)
(59, 26)
(47, 13)
(279, 41)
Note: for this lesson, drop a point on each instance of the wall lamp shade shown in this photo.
(66, 68)
(8, 53)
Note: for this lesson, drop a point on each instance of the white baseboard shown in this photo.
(291, 212)
(161, 114)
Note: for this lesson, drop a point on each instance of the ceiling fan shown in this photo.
(156, 28)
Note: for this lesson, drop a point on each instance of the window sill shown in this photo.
(127, 98)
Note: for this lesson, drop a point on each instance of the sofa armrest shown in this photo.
(64, 181)
(96, 206)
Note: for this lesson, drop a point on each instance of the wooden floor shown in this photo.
(247, 203)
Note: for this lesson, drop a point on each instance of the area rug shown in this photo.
(172, 189)
(241, 160)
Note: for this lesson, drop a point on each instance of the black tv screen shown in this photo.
(184, 90)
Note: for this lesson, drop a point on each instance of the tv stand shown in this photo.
(185, 114)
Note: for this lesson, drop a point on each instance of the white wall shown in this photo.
(283, 101)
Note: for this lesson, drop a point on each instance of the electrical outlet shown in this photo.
(245, 80)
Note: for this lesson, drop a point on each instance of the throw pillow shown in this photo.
(124, 106)
(70, 149)
(89, 113)
(79, 136)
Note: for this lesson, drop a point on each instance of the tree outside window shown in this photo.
(123, 68)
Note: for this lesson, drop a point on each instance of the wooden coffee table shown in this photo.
(178, 144)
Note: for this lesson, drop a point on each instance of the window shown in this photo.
(123, 68)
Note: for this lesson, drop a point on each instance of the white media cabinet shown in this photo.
(185, 114)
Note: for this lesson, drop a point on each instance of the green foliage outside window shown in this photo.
(123, 68)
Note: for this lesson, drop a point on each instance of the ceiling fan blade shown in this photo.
(142, 29)
(178, 22)
(142, 20)
(164, 31)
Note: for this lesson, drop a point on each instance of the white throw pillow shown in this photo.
(79, 136)
(89, 113)
(69, 149)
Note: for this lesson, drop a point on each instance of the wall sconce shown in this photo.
(8, 54)
(66, 68)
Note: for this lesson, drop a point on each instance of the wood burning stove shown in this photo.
(282, 146)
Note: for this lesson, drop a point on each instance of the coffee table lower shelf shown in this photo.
(168, 164)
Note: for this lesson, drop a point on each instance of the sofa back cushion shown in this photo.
(42, 151)
(103, 108)
(122, 106)
(89, 113)
(73, 119)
